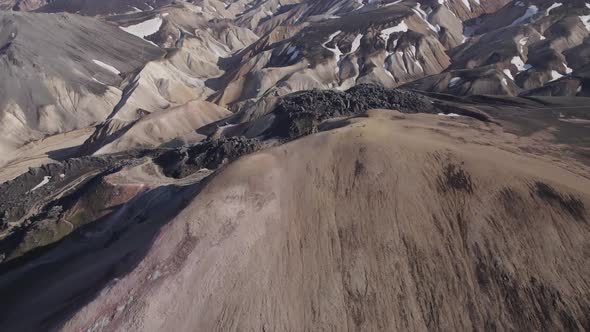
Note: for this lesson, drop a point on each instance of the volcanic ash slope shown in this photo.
(385, 222)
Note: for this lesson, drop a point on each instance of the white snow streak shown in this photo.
(422, 14)
(450, 115)
(293, 52)
(530, 12)
(107, 67)
(401, 27)
(356, 43)
(291, 49)
(555, 75)
(553, 6)
(145, 28)
(294, 55)
(97, 81)
(335, 50)
(520, 65)
(41, 184)
(467, 4)
(454, 82)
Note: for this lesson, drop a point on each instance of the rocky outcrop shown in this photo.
(301, 113)
(210, 154)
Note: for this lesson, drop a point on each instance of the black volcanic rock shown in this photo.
(300, 113)
(210, 154)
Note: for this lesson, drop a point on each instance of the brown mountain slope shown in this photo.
(392, 222)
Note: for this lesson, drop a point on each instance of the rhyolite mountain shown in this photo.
(341, 165)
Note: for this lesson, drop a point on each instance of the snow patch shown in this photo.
(453, 82)
(356, 43)
(293, 52)
(422, 14)
(401, 27)
(555, 75)
(97, 81)
(530, 12)
(145, 28)
(41, 184)
(553, 6)
(520, 65)
(450, 115)
(586, 20)
(107, 67)
(387, 5)
(508, 73)
(522, 43)
(336, 51)
(467, 4)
